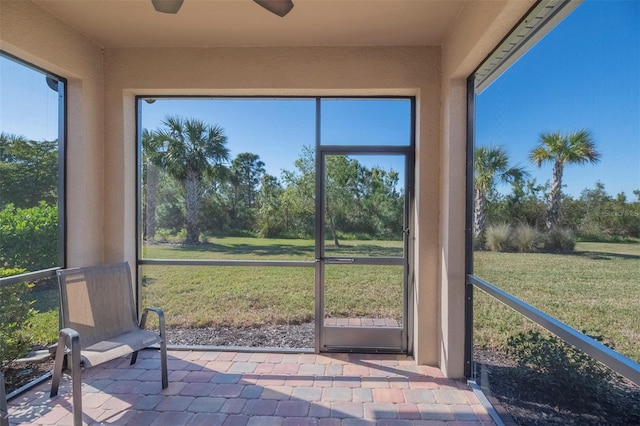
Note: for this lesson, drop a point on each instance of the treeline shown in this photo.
(533, 212)
(594, 214)
(192, 187)
(28, 204)
(28, 171)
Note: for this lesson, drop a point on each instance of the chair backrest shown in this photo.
(97, 301)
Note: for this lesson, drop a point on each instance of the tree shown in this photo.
(28, 171)
(342, 194)
(190, 151)
(523, 206)
(491, 166)
(244, 179)
(298, 199)
(270, 221)
(383, 203)
(577, 147)
(151, 177)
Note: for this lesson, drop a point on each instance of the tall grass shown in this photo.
(526, 238)
(498, 237)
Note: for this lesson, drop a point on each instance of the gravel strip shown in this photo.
(272, 336)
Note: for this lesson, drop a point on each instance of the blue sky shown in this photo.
(277, 129)
(584, 74)
(28, 107)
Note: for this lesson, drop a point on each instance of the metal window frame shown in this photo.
(535, 25)
(407, 150)
(327, 337)
(62, 221)
(62, 171)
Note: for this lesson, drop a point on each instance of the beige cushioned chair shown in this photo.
(99, 323)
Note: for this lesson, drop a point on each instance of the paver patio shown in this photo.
(240, 388)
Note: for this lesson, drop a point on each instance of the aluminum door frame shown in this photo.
(362, 339)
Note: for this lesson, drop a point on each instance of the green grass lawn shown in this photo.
(596, 290)
(247, 248)
(249, 296)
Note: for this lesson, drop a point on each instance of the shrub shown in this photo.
(29, 237)
(498, 237)
(162, 235)
(525, 239)
(181, 235)
(15, 314)
(560, 240)
(559, 368)
(480, 242)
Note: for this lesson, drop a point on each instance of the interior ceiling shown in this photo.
(232, 23)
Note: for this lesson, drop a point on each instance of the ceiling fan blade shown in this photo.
(167, 6)
(279, 7)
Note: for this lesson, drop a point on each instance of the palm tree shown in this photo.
(7, 142)
(575, 148)
(151, 176)
(491, 166)
(190, 150)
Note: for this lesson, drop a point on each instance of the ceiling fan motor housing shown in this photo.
(167, 6)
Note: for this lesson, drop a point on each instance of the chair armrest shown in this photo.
(70, 337)
(161, 321)
(68, 341)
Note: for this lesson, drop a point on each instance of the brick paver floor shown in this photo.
(238, 388)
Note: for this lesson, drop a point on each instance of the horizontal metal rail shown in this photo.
(375, 261)
(28, 277)
(213, 262)
(612, 359)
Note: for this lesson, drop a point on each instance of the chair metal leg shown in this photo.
(163, 342)
(163, 363)
(69, 338)
(76, 383)
(4, 409)
(58, 363)
(163, 350)
(134, 358)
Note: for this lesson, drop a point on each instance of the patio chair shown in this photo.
(99, 323)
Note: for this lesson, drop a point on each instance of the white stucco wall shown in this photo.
(280, 71)
(479, 28)
(26, 31)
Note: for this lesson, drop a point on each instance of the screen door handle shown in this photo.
(342, 260)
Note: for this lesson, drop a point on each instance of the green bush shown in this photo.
(15, 314)
(480, 242)
(559, 368)
(29, 237)
(560, 240)
(163, 235)
(498, 237)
